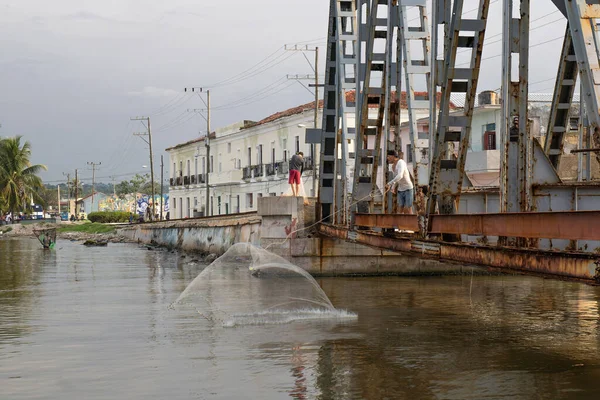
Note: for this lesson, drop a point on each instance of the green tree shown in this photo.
(18, 177)
(137, 184)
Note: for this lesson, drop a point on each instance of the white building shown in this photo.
(247, 160)
(483, 156)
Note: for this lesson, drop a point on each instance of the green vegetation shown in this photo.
(19, 182)
(6, 230)
(106, 217)
(87, 227)
(138, 184)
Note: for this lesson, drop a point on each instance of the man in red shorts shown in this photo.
(296, 164)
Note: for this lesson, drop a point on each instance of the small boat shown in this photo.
(47, 237)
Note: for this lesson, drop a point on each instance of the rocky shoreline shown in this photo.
(18, 230)
(96, 239)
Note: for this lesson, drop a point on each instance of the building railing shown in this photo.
(283, 167)
(201, 178)
(307, 164)
(247, 173)
(271, 169)
(257, 170)
(186, 180)
(193, 179)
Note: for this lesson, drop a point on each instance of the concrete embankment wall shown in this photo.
(285, 226)
(205, 235)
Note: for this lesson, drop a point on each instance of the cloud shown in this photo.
(152, 91)
(87, 16)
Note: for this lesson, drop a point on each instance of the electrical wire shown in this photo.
(249, 70)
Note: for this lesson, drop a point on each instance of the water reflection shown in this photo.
(96, 323)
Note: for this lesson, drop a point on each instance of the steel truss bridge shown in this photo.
(378, 49)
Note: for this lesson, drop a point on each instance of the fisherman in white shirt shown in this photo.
(402, 181)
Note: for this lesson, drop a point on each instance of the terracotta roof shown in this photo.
(197, 140)
(350, 96)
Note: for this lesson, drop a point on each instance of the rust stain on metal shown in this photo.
(399, 221)
(570, 225)
(570, 265)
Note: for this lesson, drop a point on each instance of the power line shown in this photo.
(227, 81)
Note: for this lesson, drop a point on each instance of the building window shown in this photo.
(228, 148)
(489, 140)
(249, 156)
(211, 167)
(273, 194)
(187, 203)
(237, 208)
(195, 165)
(259, 156)
(297, 141)
(180, 168)
(574, 123)
(219, 205)
(273, 156)
(409, 155)
(188, 167)
(249, 200)
(195, 202)
(181, 207)
(204, 165)
(174, 203)
(174, 171)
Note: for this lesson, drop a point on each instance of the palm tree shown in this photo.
(18, 177)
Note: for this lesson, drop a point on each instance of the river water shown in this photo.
(95, 323)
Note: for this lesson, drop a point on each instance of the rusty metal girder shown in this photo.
(389, 221)
(570, 225)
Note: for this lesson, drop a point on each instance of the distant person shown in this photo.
(168, 216)
(401, 181)
(73, 219)
(296, 163)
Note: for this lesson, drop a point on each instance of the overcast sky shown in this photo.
(73, 72)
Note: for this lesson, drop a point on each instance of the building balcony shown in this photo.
(247, 173)
(271, 169)
(201, 178)
(307, 164)
(283, 167)
(257, 171)
(193, 179)
(186, 180)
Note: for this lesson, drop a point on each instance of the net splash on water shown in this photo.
(251, 286)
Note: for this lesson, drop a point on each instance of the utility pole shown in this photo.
(206, 141)
(149, 142)
(93, 164)
(68, 193)
(161, 187)
(76, 193)
(113, 182)
(58, 194)
(316, 86)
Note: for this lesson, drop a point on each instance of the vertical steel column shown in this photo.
(348, 56)
(328, 156)
(368, 145)
(581, 15)
(414, 67)
(447, 167)
(515, 191)
(564, 88)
